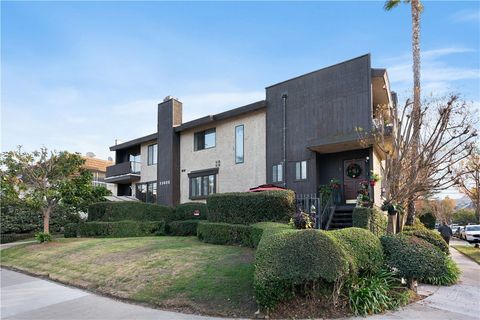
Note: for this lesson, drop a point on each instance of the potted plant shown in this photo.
(374, 178)
(335, 188)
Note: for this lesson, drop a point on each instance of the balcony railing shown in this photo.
(124, 168)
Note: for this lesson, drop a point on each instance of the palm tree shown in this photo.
(416, 9)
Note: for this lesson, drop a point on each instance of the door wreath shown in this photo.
(354, 170)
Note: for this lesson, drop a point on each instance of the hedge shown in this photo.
(185, 211)
(183, 228)
(71, 230)
(413, 258)
(262, 230)
(428, 235)
(371, 219)
(295, 258)
(12, 237)
(129, 210)
(225, 233)
(251, 207)
(363, 247)
(120, 229)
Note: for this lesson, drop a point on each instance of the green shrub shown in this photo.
(43, 237)
(376, 293)
(70, 230)
(428, 235)
(413, 258)
(251, 207)
(183, 228)
(450, 275)
(129, 210)
(185, 211)
(225, 233)
(261, 230)
(301, 220)
(428, 220)
(363, 247)
(371, 219)
(293, 258)
(120, 229)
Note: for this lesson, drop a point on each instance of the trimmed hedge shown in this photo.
(371, 219)
(225, 233)
(428, 235)
(183, 228)
(291, 259)
(363, 247)
(413, 258)
(12, 237)
(129, 210)
(262, 230)
(70, 230)
(251, 207)
(185, 211)
(120, 229)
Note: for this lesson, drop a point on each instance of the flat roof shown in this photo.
(134, 142)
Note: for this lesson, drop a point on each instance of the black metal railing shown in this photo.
(319, 209)
(123, 168)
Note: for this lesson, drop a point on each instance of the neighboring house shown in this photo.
(98, 168)
(301, 136)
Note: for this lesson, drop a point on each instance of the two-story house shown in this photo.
(301, 136)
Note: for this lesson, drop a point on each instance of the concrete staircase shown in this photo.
(342, 217)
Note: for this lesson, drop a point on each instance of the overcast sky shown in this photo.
(78, 75)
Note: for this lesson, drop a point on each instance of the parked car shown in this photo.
(462, 233)
(457, 232)
(472, 233)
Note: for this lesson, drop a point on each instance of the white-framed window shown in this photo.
(152, 154)
(239, 144)
(277, 173)
(301, 170)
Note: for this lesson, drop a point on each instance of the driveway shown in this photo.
(26, 297)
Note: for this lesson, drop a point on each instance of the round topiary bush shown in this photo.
(414, 258)
(293, 258)
(428, 235)
(363, 246)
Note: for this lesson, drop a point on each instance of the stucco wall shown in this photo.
(147, 173)
(231, 177)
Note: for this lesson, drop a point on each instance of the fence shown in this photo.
(316, 207)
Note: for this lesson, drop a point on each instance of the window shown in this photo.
(205, 139)
(147, 192)
(277, 174)
(202, 186)
(152, 154)
(301, 170)
(239, 139)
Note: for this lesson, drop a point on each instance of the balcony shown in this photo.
(125, 172)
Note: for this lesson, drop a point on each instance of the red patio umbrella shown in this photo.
(266, 187)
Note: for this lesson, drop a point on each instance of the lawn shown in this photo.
(176, 273)
(471, 252)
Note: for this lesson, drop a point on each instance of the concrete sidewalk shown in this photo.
(26, 297)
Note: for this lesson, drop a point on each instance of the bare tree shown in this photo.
(420, 169)
(469, 180)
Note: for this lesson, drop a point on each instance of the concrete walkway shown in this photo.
(26, 297)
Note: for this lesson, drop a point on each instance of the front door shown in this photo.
(353, 174)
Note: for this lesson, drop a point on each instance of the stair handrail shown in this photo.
(328, 205)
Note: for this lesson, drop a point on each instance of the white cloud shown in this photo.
(466, 16)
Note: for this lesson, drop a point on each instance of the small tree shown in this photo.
(469, 180)
(41, 178)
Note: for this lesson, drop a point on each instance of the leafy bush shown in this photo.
(376, 293)
(413, 258)
(12, 237)
(251, 207)
(70, 230)
(185, 211)
(450, 275)
(371, 219)
(261, 230)
(301, 220)
(129, 210)
(225, 233)
(120, 229)
(364, 248)
(428, 235)
(43, 237)
(183, 228)
(428, 220)
(464, 217)
(291, 259)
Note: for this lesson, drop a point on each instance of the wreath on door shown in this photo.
(354, 170)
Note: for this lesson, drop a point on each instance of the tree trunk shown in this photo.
(392, 224)
(416, 110)
(46, 220)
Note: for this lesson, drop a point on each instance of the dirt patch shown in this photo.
(311, 307)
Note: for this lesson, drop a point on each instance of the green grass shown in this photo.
(178, 273)
(471, 252)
